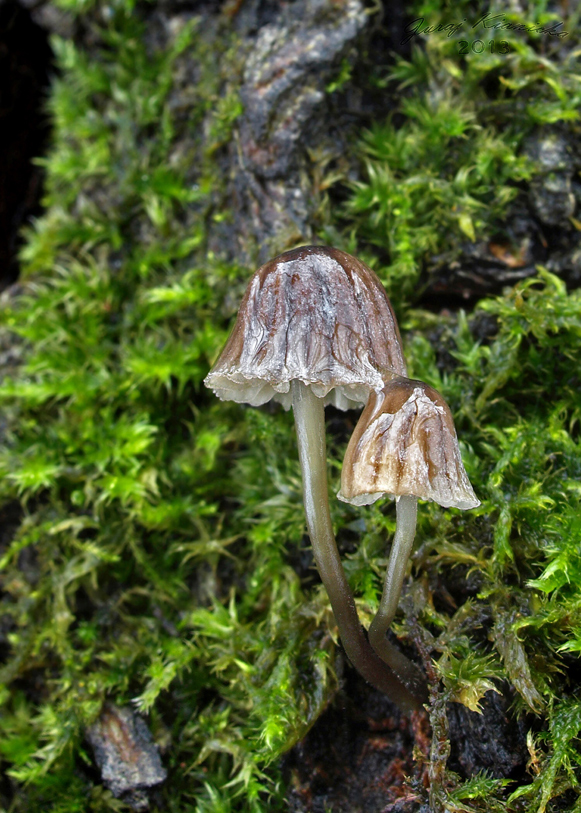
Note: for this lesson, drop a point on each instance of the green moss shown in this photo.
(516, 402)
(448, 161)
(152, 560)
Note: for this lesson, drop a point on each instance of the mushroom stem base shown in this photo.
(310, 427)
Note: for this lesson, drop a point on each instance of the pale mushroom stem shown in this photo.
(406, 514)
(309, 417)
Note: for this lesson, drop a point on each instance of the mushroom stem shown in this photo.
(309, 417)
(406, 512)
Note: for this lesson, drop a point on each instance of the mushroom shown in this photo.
(404, 445)
(314, 327)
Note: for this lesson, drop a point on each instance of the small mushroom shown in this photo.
(404, 445)
(314, 327)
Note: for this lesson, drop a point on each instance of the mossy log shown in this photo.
(153, 553)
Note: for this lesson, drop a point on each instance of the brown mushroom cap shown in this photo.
(405, 443)
(315, 314)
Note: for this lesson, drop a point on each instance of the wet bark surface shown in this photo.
(286, 113)
(359, 757)
(491, 741)
(364, 756)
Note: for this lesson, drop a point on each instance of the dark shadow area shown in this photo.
(25, 62)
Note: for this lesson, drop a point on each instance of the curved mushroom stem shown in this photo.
(309, 417)
(405, 531)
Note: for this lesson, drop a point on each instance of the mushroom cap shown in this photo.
(405, 443)
(315, 314)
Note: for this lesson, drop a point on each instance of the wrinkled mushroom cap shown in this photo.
(315, 314)
(405, 443)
